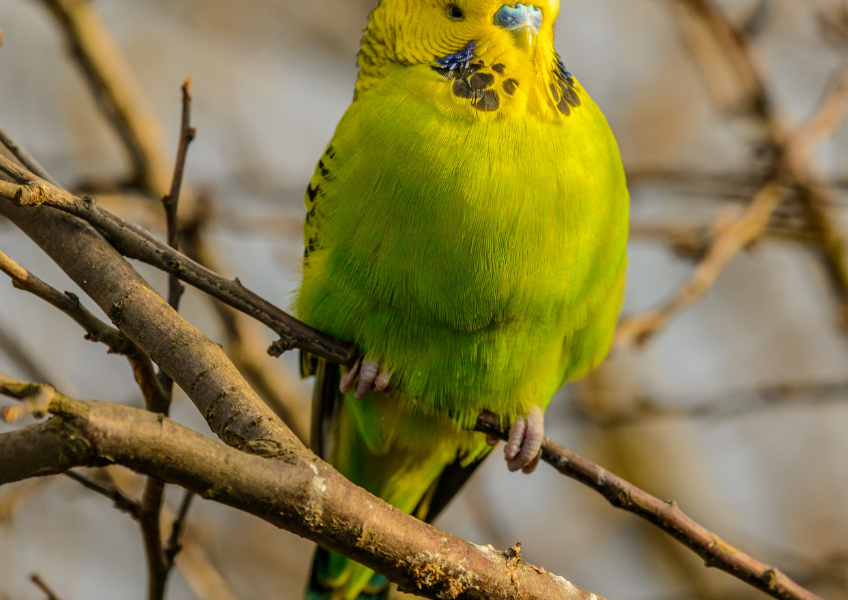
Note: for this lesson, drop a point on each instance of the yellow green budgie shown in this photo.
(467, 227)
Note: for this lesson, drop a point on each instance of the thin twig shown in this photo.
(172, 200)
(150, 521)
(36, 579)
(158, 561)
(96, 330)
(121, 501)
(174, 545)
(665, 515)
(27, 159)
(134, 242)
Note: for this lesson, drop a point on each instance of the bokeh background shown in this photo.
(737, 409)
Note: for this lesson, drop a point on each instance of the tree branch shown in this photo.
(42, 585)
(115, 89)
(27, 159)
(172, 200)
(791, 168)
(121, 501)
(300, 494)
(143, 323)
(159, 565)
(96, 330)
(118, 94)
(665, 515)
(134, 242)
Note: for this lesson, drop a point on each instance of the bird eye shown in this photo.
(455, 13)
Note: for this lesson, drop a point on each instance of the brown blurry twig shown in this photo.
(118, 94)
(27, 159)
(19, 356)
(736, 404)
(641, 328)
(36, 579)
(792, 168)
(665, 515)
(121, 501)
(115, 89)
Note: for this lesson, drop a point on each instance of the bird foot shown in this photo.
(365, 376)
(524, 448)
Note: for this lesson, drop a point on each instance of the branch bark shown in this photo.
(665, 515)
(134, 242)
(118, 93)
(283, 443)
(300, 494)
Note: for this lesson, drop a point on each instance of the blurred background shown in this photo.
(737, 408)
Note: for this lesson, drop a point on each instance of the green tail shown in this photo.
(415, 463)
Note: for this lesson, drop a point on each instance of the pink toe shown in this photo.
(349, 377)
(516, 435)
(533, 438)
(382, 381)
(367, 375)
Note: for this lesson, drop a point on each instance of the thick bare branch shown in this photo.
(300, 493)
(116, 230)
(134, 242)
(117, 92)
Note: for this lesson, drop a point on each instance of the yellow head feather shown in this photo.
(501, 78)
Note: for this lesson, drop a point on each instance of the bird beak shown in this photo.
(523, 22)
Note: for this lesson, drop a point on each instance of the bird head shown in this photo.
(492, 55)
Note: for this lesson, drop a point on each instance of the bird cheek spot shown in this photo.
(462, 89)
(481, 81)
(490, 101)
(509, 86)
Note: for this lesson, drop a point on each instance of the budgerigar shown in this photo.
(467, 227)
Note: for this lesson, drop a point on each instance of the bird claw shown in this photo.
(524, 448)
(364, 377)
